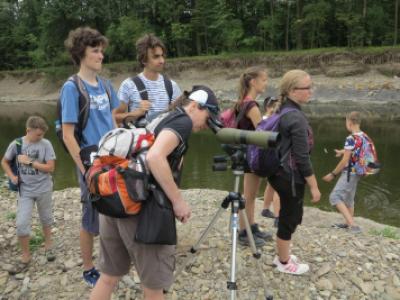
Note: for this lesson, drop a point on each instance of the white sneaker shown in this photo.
(292, 267)
(292, 256)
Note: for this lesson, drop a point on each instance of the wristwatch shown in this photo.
(30, 163)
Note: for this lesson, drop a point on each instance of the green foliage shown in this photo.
(36, 240)
(123, 35)
(32, 32)
(388, 232)
(10, 216)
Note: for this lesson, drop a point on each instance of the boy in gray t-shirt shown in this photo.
(35, 184)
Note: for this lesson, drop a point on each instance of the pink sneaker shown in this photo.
(292, 267)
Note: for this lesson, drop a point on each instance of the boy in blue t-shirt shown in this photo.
(344, 191)
(86, 47)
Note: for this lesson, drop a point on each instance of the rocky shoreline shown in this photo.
(343, 266)
(373, 93)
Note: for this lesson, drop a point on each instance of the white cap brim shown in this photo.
(199, 96)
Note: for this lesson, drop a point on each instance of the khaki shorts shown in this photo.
(155, 264)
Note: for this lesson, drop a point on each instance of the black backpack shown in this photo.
(14, 166)
(142, 121)
(84, 109)
(143, 92)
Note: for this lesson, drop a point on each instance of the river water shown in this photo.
(377, 198)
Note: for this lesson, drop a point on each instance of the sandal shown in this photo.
(50, 255)
(19, 267)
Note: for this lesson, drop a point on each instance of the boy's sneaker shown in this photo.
(354, 229)
(267, 213)
(266, 236)
(340, 225)
(244, 240)
(91, 276)
(291, 267)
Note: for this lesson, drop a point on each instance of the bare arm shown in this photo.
(339, 167)
(47, 167)
(72, 144)
(157, 161)
(254, 115)
(315, 193)
(121, 112)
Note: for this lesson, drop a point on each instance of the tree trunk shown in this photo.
(364, 14)
(287, 27)
(272, 22)
(396, 21)
(299, 29)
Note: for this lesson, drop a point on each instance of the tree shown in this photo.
(396, 22)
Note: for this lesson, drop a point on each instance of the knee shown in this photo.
(107, 281)
(23, 228)
(47, 221)
(287, 226)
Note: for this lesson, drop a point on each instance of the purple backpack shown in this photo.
(266, 162)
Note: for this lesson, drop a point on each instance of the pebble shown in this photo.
(343, 267)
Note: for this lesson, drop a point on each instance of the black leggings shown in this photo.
(291, 212)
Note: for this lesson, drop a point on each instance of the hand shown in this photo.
(24, 159)
(14, 179)
(145, 105)
(315, 195)
(328, 177)
(182, 210)
(339, 153)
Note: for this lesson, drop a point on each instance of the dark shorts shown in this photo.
(90, 216)
(154, 264)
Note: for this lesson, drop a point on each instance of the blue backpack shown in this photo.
(266, 162)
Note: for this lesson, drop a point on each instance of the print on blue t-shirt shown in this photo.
(100, 117)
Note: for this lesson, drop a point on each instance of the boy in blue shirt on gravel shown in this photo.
(86, 47)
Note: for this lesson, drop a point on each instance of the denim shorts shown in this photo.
(344, 191)
(90, 216)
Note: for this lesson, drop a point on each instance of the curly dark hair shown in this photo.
(148, 41)
(80, 38)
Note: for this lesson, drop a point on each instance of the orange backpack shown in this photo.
(118, 184)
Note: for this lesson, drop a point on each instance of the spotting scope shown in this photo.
(263, 139)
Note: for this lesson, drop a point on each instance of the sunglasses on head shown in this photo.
(269, 100)
(212, 108)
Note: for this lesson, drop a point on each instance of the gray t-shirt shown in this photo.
(33, 181)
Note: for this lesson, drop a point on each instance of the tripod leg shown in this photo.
(231, 285)
(248, 231)
(256, 255)
(196, 246)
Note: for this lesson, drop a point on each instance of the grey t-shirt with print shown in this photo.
(33, 181)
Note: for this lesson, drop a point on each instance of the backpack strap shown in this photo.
(106, 84)
(18, 144)
(140, 87)
(84, 102)
(168, 88)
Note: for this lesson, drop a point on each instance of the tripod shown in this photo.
(237, 203)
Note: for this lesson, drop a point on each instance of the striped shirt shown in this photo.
(158, 95)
